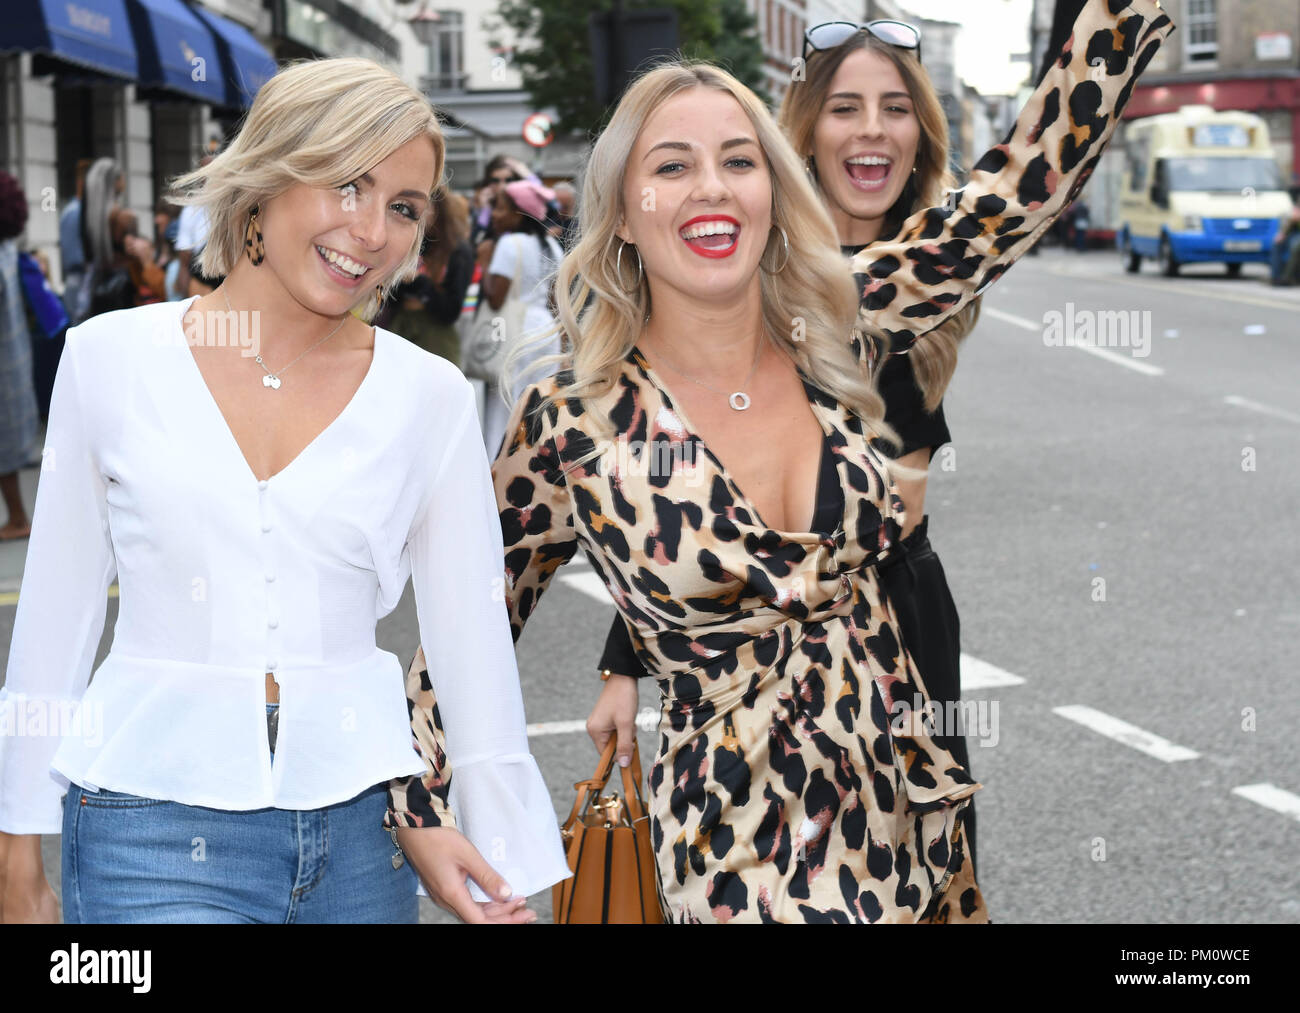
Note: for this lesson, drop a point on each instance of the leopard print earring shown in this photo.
(253, 246)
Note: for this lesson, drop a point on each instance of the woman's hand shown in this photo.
(615, 713)
(25, 894)
(442, 858)
(138, 248)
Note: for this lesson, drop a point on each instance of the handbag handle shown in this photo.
(604, 768)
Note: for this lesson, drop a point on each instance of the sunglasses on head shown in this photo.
(836, 33)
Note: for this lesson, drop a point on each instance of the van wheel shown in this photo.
(1132, 262)
(1168, 265)
(1234, 270)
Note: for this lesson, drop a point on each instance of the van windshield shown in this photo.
(1205, 173)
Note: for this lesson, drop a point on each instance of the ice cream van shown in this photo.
(1199, 186)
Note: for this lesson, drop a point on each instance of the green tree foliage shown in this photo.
(553, 51)
(739, 49)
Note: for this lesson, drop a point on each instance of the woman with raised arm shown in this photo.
(263, 472)
(793, 780)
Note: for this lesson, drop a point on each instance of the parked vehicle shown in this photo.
(1199, 186)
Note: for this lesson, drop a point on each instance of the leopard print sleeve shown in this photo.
(536, 512)
(943, 257)
(423, 800)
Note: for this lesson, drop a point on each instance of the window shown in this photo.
(1225, 175)
(447, 52)
(1202, 39)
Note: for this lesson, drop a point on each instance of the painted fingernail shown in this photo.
(623, 761)
(504, 892)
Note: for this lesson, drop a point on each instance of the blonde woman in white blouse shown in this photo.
(262, 471)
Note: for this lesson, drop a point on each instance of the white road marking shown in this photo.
(589, 584)
(647, 720)
(976, 674)
(1129, 735)
(1270, 796)
(1263, 409)
(1127, 361)
(556, 727)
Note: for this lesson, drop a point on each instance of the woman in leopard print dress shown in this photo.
(794, 779)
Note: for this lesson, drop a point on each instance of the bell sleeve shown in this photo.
(61, 609)
(498, 796)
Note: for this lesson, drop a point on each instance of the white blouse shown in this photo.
(223, 578)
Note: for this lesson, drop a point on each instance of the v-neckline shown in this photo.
(827, 430)
(221, 416)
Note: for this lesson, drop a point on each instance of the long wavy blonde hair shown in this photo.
(809, 305)
(934, 359)
(317, 122)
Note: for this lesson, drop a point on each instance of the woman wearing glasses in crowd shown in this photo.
(792, 780)
(874, 137)
(231, 760)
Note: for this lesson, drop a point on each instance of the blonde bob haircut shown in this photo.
(321, 123)
(809, 305)
(934, 356)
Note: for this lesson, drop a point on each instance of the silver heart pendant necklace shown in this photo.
(272, 379)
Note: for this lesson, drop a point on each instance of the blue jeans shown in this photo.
(1281, 254)
(132, 859)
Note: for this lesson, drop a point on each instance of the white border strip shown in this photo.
(1130, 735)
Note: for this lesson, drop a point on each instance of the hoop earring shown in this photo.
(618, 264)
(253, 245)
(786, 241)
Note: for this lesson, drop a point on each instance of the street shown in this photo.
(1119, 531)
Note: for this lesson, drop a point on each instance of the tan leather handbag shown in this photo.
(607, 839)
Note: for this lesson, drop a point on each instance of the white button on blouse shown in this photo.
(142, 479)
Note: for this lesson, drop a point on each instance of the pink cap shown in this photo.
(530, 197)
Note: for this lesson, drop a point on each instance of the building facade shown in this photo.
(1229, 54)
(155, 86)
